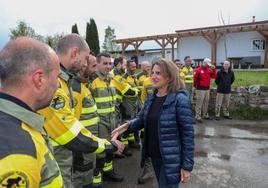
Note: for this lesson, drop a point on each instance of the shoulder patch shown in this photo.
(58, 102)
(14, 179)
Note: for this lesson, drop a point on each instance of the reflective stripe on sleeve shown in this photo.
(90, 122)
(103, 99)
(89, 109)
(70, 134)
(106, 110)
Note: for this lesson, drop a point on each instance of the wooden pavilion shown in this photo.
(211, 34)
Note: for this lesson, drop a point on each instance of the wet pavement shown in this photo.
(228, 154)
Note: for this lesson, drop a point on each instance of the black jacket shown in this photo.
(224, 80)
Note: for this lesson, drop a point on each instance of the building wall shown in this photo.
(238, 45)
(196, 47)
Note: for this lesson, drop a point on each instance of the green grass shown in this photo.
(247, 78)
(244, 79)
(250, 113)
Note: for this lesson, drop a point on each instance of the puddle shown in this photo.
(212, 155)
(231, 133)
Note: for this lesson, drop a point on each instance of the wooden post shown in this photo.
(124, 47)
(212, 39)
(178, 47)
(172, 49)
(173, 42)
(265, 35)
(266, 53)
(136, 46)
(163, 48)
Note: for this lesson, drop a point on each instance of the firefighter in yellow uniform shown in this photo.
(86, 111)
(144, 74)
(116, 74)
(65, 130)
(122, 89)
(147, 88)
(103, 89)
(186, 74)
(27, 161)
(26, 158)
(131, 104)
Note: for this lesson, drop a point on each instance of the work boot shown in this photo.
(112, 176)
(127, 152)
(97, 186)
(228, 117)
(147, 172)
(97, 180)
(199, 120)
(119, 156)
(208, 118)
(145, 176)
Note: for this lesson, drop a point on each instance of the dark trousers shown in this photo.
(160, 174)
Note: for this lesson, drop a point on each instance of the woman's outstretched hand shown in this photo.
(185, 176)
(119, 130)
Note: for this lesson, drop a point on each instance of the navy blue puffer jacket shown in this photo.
(176, 133)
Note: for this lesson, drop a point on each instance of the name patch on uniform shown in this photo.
(58, 102)
(14, 179)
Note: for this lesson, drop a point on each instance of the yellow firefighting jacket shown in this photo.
(132, 81)
(147, 88)
(85, 107)
(186, 74)
(64, 128)
(122, 87)
(104, 93)
(25, 152)
(141, 77)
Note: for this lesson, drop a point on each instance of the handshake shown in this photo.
(115, 133)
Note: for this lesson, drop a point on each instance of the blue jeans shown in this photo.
(160, 174)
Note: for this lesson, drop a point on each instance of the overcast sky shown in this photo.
(129, 18)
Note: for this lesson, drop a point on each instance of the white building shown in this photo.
(243, 44)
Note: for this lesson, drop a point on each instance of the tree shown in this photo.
(23, 29)
(75, 29)
(52, 40)
(222, 21)
(108, 44)
(92, 37)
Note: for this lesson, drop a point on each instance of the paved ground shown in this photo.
(228, 154)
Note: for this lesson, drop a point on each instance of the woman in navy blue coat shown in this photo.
(167, 121)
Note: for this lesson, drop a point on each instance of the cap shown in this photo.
(208, 61)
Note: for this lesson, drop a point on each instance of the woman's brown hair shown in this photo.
(170, 70)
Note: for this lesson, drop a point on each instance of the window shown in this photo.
(257, 44)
